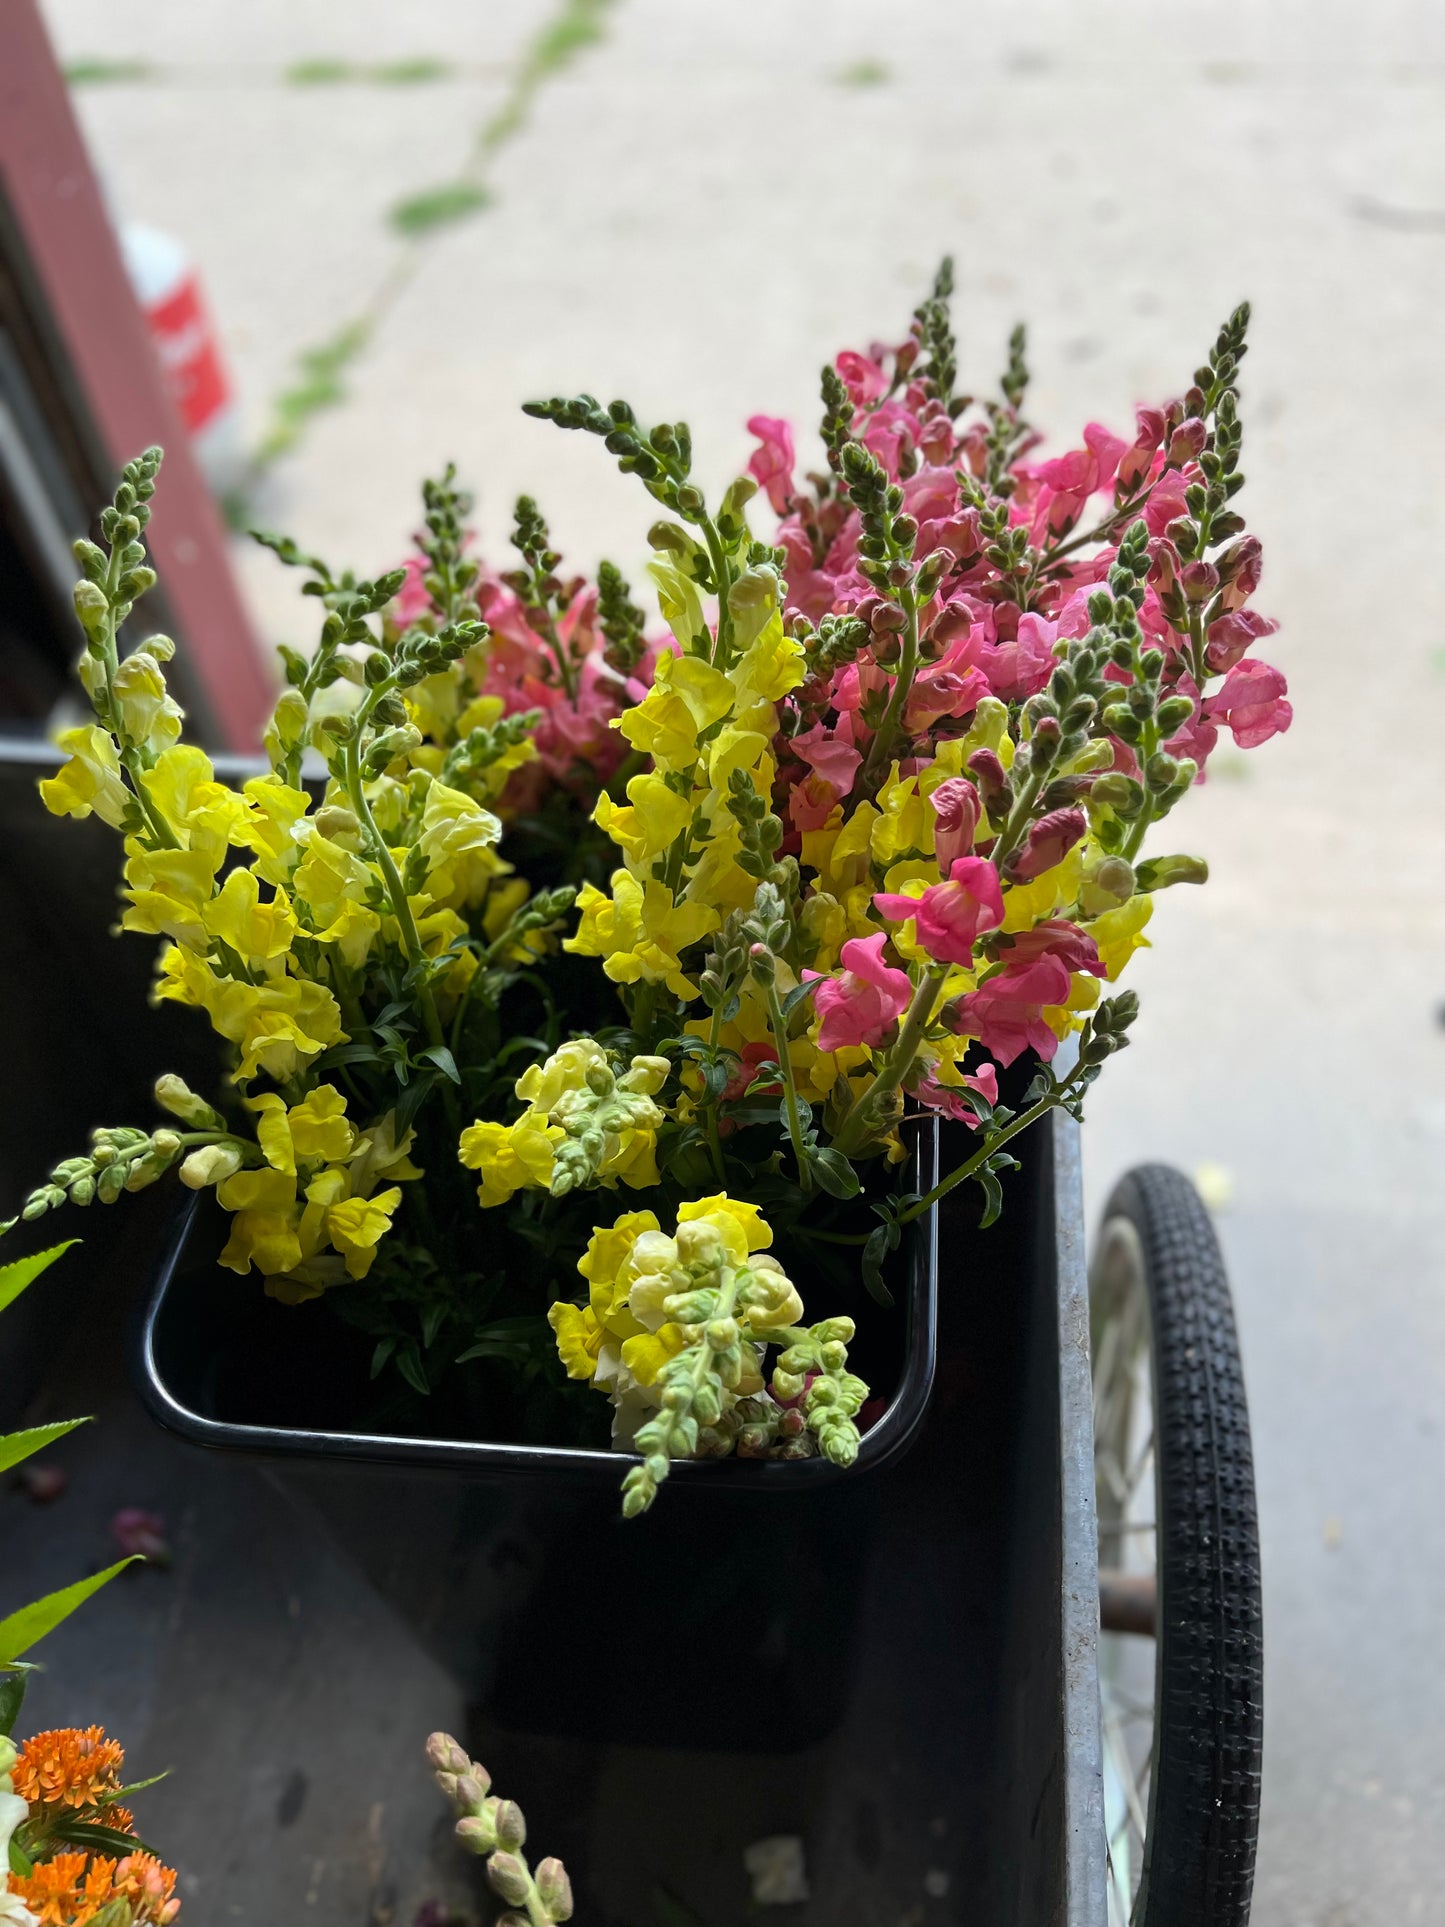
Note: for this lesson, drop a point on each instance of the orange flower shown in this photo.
(53, 1890)
(148, 1886)
(70, 1767)
(121, 1818)
(66, 1892)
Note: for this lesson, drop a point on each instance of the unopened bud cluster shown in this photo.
(496, 1830)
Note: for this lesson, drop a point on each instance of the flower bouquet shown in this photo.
(541, 910)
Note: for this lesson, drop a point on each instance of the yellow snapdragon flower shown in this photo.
(639, 932)
(91, 781)
(168, 892)
(687, 696)
(279, 1025)
(150, 718)
(203, 814)
(315, 1130)
(652, 818)
(1119, 933)
(330, 890)
(273, 812)
(511, 1157)
(258, 932)
(458, 839)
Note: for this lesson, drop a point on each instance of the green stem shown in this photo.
(1100, 530)
(714, 1136)
(854, 1131)
(994, 1142)
(722, 571)
(1146, 815)
(130, 757)
(880, 751)
(401, 909)
(1008, 838)
(779, 1025)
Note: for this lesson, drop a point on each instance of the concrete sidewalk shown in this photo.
(703, 208)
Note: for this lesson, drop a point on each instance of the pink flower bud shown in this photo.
(1187, 442)
(1049, 841)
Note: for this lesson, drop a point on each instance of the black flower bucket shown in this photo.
(896, 1662)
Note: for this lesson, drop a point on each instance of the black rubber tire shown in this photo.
(1203, 1819)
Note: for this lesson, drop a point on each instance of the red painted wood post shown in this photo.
(56, 204)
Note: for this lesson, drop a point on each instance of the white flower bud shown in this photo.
(173, 1094)
(211, 1164)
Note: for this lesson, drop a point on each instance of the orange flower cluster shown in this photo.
(70, 1767)
(75, 1772)
(73, 1888)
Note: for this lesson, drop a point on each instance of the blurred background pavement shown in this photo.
(695, 212)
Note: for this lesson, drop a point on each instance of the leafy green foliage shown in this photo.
(27, 1627)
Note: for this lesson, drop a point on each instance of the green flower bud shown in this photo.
(471, 1790)
(445, 1756)
(287, 727)
(82, 1191)
(335, 821)
(1159, 872)
(511, 1826)
(508, 1877)
(554, 1888)
(476, 1833)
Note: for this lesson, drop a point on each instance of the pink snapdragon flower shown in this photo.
(771, 463)
(858, 1007)
(948, 1099)
(862, 377)
(1007, 1013)
(949, 916)
(1054, 937)
(1252, 702)
(1068, 481)
(1232, 635)
(413, 600)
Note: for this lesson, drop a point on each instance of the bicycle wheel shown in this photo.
(1179, 1593)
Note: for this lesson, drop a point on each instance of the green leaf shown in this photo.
(24, 1271)
(28, 1626)
(993, 1198)
(18, 1446)
(98, 1839)
(408, 1363)
(431, 1324)
(20, 1861)
(874, 1252)
(439, 1055)
(384, 1349)
(409, 1103)
(835, 1173)
(436, 206)
(795, 997)
(12, 1696)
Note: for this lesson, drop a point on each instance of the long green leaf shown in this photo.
(24, 1271)
(18, 1446)
(29, 1626)
(96, 1838)
(12, 1697)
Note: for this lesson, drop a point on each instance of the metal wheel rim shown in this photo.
(1127, 1498)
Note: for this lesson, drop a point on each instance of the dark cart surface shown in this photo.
(899, 1667)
